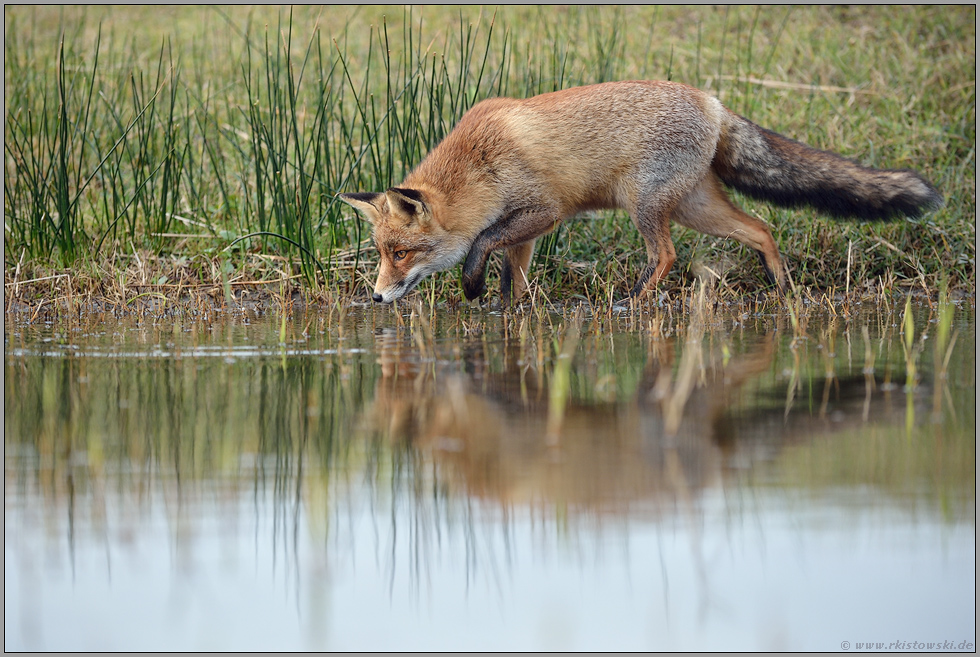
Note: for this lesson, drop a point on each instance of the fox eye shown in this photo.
(400, 255)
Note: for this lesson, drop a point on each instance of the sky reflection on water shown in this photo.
(420, 484)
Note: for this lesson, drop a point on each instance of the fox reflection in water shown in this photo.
(686, 427)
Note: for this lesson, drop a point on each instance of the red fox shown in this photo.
(512, 170)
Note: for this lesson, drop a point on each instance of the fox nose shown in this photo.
(377, 297)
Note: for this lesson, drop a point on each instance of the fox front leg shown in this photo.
(513, 274)
(475, 273)
(515, 232)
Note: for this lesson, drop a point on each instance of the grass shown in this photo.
(199, 146)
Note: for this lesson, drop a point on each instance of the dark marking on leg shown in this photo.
(474, 272)
(512, 232)
(641, 284)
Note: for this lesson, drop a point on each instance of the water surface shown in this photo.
(370, 479)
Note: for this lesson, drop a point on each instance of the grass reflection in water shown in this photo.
(439, 431)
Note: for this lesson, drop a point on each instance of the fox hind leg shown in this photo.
(707, 209)
(652, 214)
(660, 258)
(655, 229)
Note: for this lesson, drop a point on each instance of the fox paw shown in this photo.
(474, 287)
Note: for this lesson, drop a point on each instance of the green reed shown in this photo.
(114, 144)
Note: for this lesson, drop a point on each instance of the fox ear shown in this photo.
(412, 202)
(367, 203)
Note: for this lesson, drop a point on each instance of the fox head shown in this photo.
(410, 239)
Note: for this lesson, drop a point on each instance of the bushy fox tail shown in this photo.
(770, 167)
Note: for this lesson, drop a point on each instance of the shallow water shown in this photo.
(372, 480)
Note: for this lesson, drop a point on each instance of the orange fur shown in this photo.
(512, 170)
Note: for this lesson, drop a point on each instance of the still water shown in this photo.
(379, 479)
